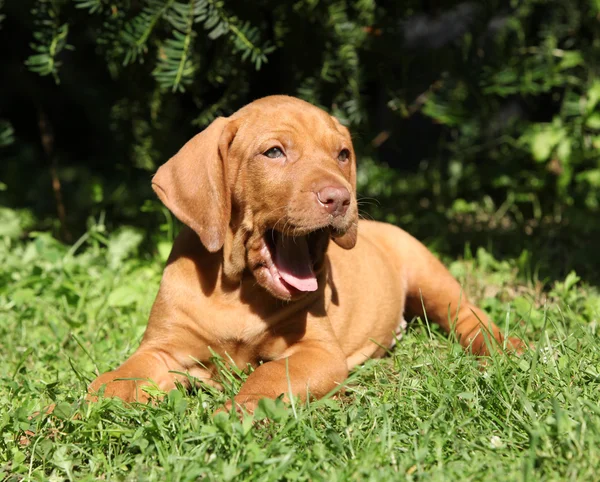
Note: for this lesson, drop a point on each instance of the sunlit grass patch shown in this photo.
(426, 412)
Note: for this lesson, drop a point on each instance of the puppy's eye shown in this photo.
(273, 153)
(344, 155)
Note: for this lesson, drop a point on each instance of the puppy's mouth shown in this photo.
(290, 262)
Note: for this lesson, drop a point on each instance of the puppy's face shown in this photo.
(272, 184)
(293, 190)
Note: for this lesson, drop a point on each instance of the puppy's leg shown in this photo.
(431, 286)
(311, 367)
(146, 366)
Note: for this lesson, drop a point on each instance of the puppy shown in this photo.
(274, 269)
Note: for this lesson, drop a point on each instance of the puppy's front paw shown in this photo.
(246, 407)
(127, 390)
(517, 346)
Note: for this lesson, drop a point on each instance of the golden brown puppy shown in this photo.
(274, 268)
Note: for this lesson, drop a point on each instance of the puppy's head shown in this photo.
(270, 185)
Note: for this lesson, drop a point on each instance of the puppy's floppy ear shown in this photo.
(193, 183)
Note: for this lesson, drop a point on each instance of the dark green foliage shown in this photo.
(475, 121)
(50, 38)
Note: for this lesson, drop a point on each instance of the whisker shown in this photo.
(366, 203)
(276, 209)
(286, 229)
(365, 215)
(273, 230)
(361, 199)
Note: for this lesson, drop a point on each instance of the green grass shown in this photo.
(426, 412)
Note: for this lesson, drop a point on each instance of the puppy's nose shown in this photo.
(335, 200)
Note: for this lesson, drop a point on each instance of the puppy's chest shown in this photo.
(246, 339)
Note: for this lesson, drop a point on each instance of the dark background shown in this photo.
(476, 123)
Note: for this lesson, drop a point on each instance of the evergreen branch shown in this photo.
(51, 39)
(243, 42)
(242, 37)
(186, 48)
(174, 68)
(92, 6)
(137, 32)
(217, 21)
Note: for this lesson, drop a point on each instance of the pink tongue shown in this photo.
(293, 261)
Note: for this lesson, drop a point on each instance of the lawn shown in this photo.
(426, 412)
